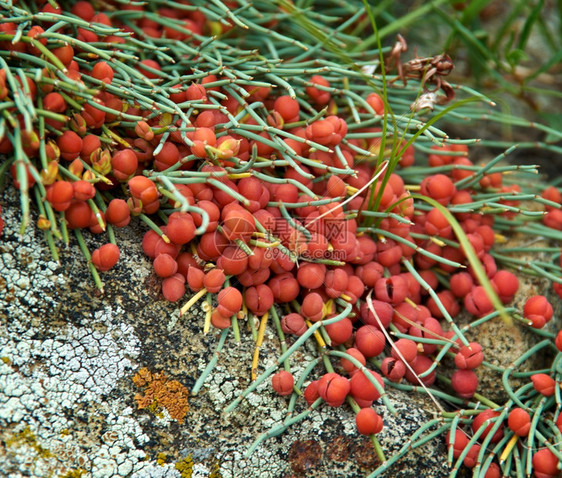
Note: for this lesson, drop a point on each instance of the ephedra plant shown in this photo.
(285, 183)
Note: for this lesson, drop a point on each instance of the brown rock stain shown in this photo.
(305, 455)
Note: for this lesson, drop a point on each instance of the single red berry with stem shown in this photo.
(479, 420)
(214, 280)
(393, 369)
(464, 383)
(229, 301)
(312, 307)
(408, 350)
(368, 422)
(311, 392)
(519, 422)
(118, 213)
(545, 464)
(105, 257)
(173, 287)
(165, 265)
(293, 324)
(369, 340)
(347, 365)
(362, 388)
(283, 383)
(459, 444)
(543, 383)
(469, 356)
(333, 389)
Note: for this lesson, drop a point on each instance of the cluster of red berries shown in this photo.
(289, 234)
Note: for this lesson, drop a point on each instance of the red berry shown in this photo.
(383, 310)
(436, 224)
(70, 145)
(125, 164)
(312, 307)
(220, 321)
(507, 285)
(369, 340)
(493, 471)
(362, 388)
(408, 350)
(84, 10)
(229, 301)
(78, 215)
(118, 213)
(340, 331)
(102, 71)
(311, 275)
(285, 287)
(165, 265)
(64, 53)
(144, 189)
(472, 455)
(54, 102)
(283, 383)
(287, 107)
(393, 289)
(336, 282)
(168, 156)
(459, 443)
(333, 389)
(60, 195)
(238, 224)
(214, 280)
(173, 287)
(259, 299)
(368, 422)
(320, 97)
(311, 393)
(519, 422)
(544, 384)
(185, 260)
(393, 369)
(293, 324)
(545, 464)
(477, 302)
(163, 247)
(537, 305)
(469, 357)
(105, 257)
(347, 365)
(181, 228)
(149, 241)
(461, 284)
(419, 366)
(438, 187)
(464, 383)
(376, 102)
(195, 278)
(479, 420)
(196, 92)
(83, 190)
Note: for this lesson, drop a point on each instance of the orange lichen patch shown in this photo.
(160, 392)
